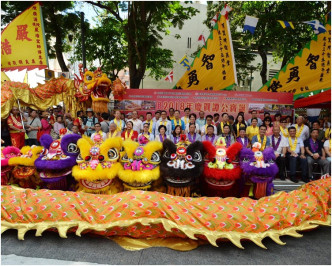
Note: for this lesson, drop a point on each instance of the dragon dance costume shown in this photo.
(126, 211)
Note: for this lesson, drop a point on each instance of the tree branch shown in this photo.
(98, 4)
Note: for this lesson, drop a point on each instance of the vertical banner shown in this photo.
(214, 66)
(23, 44)
(308, 71)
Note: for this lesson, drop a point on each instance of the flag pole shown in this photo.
(19, 108)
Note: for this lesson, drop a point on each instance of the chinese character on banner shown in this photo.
(294, 74)
(206, 59)
(22, 33)
(274, 86)
(312, 59)
(232, 107)
(242, 107)
(193, 78)
(6, 48)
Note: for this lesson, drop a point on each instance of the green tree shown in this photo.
(269, 35)
(59, 22)
(143, 27)
(104, 43)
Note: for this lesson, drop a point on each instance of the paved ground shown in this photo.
(313, 248)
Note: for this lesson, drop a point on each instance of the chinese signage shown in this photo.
(23, 44)
(231, 102)
(214, 66)
(308, 71)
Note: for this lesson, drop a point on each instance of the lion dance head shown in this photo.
(6, 154)
(221, 170)
(57, 160)
(140, 165)
(259, 169)
(98, 166)
(24, 173)
(181, 166)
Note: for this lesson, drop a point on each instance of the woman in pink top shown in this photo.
(46, 126)
(58, 124)
(269, 128)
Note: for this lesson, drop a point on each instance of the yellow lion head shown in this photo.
(97, 164)
(25, 163)
(140, 164)
(27, 157)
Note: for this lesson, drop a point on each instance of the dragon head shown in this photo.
(221, 170)
(140, 164)
(97, 164)
(58, 157)
(181, 166)
(95, 85)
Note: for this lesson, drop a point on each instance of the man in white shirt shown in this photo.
(138, 124)
(120, 124)
(163, 121)
(279, 145)
(296, 152)
(98, 131)
(254, 115)
(149, 121)
(302, 131)
(201, 120)
(209, 120)
(157, 116)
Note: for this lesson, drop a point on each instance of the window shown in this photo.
(272, 72)
(189, 42)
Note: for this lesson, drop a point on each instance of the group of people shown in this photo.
(299, 143)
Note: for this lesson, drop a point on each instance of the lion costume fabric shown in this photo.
(259, 169)
(181, 166)
(98, 166)
(24, 173)
(140, 165)
(6, 154)
(57, 160)
(221, 172)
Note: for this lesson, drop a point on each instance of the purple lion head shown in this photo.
(261, 164)
(58, 156)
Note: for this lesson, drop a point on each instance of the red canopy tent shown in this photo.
(320, 100)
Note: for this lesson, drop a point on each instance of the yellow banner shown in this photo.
(23, 44)
(214, 66)
(308, 71)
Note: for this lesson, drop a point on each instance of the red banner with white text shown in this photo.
(231, 102)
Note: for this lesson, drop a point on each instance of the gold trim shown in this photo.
(190, 232)
(176, 243)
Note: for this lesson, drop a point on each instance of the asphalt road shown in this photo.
(313, 248)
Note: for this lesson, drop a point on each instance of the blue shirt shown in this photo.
(254, 139)
(183, 126)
